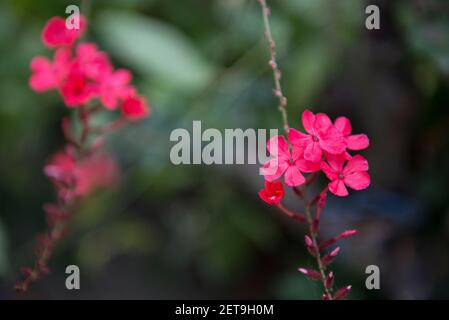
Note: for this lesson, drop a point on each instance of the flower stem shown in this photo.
(50, 239)
(314, 237)
(291, 214)
(277, 74)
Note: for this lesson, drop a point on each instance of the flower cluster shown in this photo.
(82, 73)
(88, 83)
(324, 147)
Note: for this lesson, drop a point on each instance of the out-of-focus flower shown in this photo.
(56, 34)
(135, 107)
(114, 87)
(74, 178)
(78, 89)
(92, 62)
(48, 74)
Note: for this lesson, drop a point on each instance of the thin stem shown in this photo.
(314, 236)
(111, 126)
(83, 115)
(291, 214)
(40, 265)
(277, 74)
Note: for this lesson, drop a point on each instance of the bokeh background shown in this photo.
(200, 231)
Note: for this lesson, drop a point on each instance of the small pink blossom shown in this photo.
(114, 87)
(56, 34)
(284, 162)
(322, 135)
(74, 178)
(78, 89)
(354, 174)
(272, 193)
(92, 62)
(48, 74)
(135, 107)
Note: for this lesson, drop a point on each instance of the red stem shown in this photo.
(291, 214)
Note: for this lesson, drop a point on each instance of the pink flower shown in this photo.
(56, 34)
(135, 107)
(77, 88)
(115, 86)
(322, 135)
(93, 63)
(355, 141)
(284, 162)
(272, 193)
(73, 178)
(83, 82)
(47, 74)
(354, 174)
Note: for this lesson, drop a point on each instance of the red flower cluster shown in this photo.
(324, 147)
(82, 73)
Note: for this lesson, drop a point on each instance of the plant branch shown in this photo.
(314, 237)
(291, 214)
(277, 74)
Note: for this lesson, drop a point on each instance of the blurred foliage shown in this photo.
(199, 231)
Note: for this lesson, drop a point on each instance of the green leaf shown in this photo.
(154, 48)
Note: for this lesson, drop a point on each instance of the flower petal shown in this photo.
(358, 180)
(330, 173)
(298, 138)
(42, 77)
(356, 163)
(357, 141)
(308, 121)
(273, 170)
(338, 188)
(313, 152)
(293, 177)
(343, 125)
(278, 146)
(322, 122)
(303, 164)
(336, 161)
(332, 141)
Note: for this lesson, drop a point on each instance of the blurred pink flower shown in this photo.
(73, 179)
(48, 74)
(56, 34)
(114, 87)
(135, 107)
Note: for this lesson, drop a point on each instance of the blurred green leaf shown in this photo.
(156, 48)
